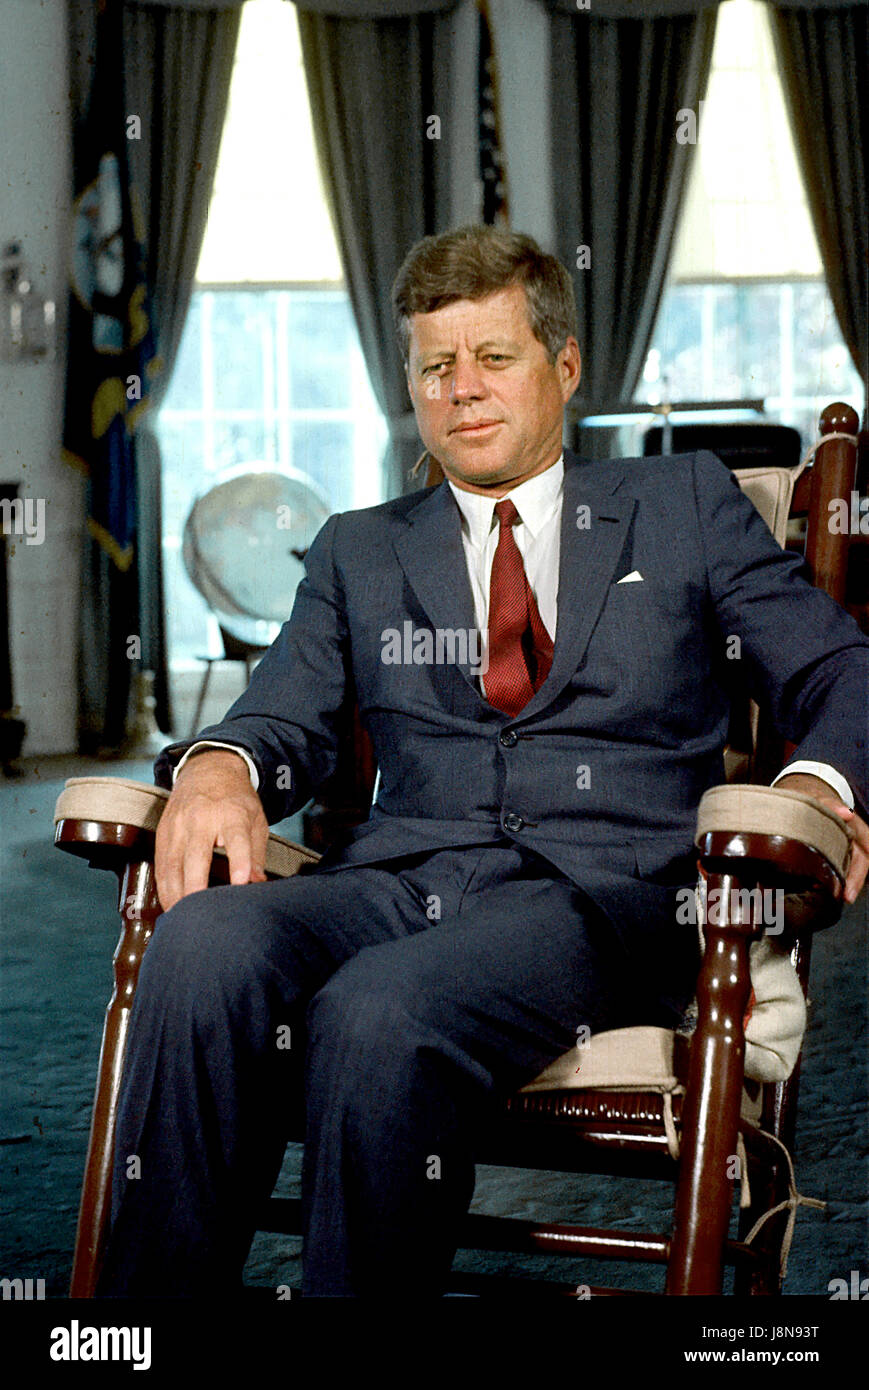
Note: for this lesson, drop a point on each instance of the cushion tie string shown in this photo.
(794, 1200)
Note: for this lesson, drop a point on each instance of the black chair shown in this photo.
(739, 444)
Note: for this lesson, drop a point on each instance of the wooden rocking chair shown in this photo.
(645, 1101)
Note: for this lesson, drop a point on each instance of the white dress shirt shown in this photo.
(538, 537)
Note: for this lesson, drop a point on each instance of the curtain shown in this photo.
(620, 173)
(172, 62)
(379, 78)
(178, 69)
(823, 57)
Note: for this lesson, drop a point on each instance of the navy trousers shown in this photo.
(405, 1000)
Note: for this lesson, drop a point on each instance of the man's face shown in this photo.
(488, 402)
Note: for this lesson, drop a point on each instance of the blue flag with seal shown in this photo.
(111, 346)
(111, 362)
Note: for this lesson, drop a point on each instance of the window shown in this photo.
(269, 369)
(746, 314)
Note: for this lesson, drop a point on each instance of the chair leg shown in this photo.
(710, 1115)
(138, 906)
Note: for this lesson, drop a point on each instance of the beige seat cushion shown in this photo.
(653, 1059)
(115, 800)
(636, 1059)
(631, 1059)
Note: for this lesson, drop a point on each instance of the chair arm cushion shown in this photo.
(117, 801)
(755, 810)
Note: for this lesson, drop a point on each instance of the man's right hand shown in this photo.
(212, 804)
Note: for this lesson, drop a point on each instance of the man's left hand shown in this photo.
(821, 791)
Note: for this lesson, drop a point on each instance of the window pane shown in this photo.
(720, 311)
(678, 341)
(186, 387)
(238, 441)
(241, 328)
(822, 365)
(187, 611)
(320, 372)
(760, 333)
(183, 472)
(325, 452)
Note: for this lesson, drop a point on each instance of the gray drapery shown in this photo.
(620, 173)
(374, 82)
(823, 58)
(178, 58)
(210, 6)
(179, 61)
(626, 9)
(374, 9)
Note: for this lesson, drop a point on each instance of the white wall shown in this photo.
(34, 179)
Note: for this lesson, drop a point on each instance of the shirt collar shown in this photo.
(535, 500)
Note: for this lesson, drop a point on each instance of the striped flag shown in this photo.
(493, 176)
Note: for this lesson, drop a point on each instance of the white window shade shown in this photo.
(268, 221)
(745, 213)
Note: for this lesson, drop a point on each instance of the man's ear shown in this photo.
(569, 363)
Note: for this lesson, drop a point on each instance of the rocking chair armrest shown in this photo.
(784, 835)
(110, 818)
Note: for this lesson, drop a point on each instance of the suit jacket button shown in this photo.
(513, 822)
(508, 738)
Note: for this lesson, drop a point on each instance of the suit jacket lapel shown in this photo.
(431, 553)
(591, 544)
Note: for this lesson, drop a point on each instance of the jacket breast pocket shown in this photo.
(648, 631)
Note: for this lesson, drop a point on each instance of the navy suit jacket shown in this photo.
(603, 769)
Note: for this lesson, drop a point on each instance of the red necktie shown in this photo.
(520, 648)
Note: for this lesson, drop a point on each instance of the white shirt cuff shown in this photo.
(233, 748)
(826, 773)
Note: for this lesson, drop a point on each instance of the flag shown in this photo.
(111, 361)
(111, 346)
(493, 175)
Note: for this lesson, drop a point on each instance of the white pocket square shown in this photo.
(633, 578)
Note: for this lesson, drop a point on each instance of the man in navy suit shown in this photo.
(539, 650)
